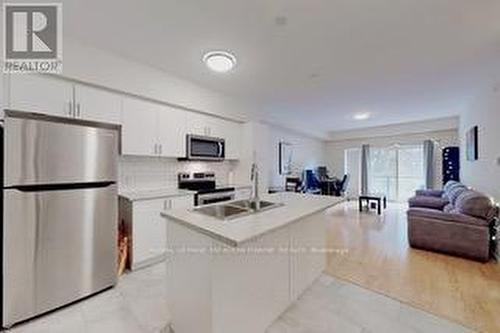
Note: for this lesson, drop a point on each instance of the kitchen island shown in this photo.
(239, 275)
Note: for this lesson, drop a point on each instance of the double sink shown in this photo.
(234, 209)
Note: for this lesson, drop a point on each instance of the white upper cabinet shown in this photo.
(205, 125)
(41, 93)
(231, 132)
(97, 104)
(58, 97)
(151, 129)
(198, 124)
(139, 128)
(172, 132)
(148, 128)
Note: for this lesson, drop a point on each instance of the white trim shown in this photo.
(415, 127)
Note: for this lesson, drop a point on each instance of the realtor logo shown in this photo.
(33, 38)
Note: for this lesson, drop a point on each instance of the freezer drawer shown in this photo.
(58, 246)
(50, 150)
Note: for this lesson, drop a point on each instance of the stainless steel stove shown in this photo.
(206, 188)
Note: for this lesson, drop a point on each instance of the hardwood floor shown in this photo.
(373, 252)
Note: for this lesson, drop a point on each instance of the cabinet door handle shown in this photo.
(170, 204)
(78, 113)
(164, 204)
(70, 112)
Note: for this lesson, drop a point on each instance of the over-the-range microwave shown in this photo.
(205, 148)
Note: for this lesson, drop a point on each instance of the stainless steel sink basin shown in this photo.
(223, 211)
(248, 204)
(235, 209)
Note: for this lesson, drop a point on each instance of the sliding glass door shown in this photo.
(396, 171)
(410, 171)
(383, 172)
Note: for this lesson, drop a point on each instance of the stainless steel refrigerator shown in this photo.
(59, 212)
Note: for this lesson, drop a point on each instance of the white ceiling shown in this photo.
(402, 60)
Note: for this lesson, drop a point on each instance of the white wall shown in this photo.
(308, 153)
(152, 172)
(335, 149)
(254, 148)
(263, 139)
(484, 174)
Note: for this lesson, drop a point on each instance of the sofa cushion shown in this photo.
(454, 216)
(449, 208)
(454, 192)
(476, 204)
(461, 237)
(449, 184)
(428, 202)
(429, 193)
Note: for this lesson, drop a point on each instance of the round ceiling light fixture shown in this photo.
(219, 61)
(362, 116)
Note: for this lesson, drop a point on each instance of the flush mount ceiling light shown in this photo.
(362, 116)
(219, 61)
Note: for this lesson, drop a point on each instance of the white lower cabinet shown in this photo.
(148, 230)
(307, 240)
(225, 289)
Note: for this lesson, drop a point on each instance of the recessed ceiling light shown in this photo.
(362, 116)
(219, 61)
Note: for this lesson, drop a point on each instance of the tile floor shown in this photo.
(138, 304)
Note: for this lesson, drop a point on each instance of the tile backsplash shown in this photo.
(137, 173)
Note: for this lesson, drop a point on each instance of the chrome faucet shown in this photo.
(254, 177)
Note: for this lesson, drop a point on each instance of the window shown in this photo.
(397, 171)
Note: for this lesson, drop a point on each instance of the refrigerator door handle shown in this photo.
(60, 187)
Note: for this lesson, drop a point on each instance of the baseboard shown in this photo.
(149, 262)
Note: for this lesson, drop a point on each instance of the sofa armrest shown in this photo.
(450, 217)
(423, 201)
(429, 193)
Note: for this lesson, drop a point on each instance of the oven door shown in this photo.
(211, 198)
(205, 148)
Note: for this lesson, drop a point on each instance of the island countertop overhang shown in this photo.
(241, 230)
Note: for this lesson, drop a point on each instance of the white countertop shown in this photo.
(148, 194)
(236, 186)
(165, 192)
(239, 230)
